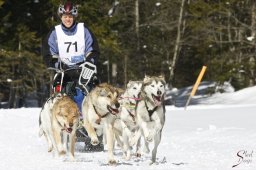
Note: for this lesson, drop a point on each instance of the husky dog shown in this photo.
(150, 111)
(99, 110)
(58, 122)
(126, 126)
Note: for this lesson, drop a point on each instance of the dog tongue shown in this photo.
(114, 110)
(69, 130)
(157, 100)
(157, 103)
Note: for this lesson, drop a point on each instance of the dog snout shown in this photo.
(70, 124)
(117, 105)
(159, 92)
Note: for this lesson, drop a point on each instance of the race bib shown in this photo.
(71, 47)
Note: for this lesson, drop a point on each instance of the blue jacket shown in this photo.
(50, 46)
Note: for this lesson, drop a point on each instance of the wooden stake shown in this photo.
(198, 81)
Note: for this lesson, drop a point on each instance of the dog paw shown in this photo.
(153, 162)
(124, 155)
(95, 142)
(138, 154)
(132, 142)
(128, 132)
(128, 157)
(99, 132)
(61, 153)
(112, 162)
(158, 129)
(72, 158)
(149, 138)
(50, 149)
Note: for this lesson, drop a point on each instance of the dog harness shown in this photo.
(150, 112)
(100, 117)
(134, 98)
(129, 107)
(62, 128)
(133, 116)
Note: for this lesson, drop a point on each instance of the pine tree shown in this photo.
(21, 69)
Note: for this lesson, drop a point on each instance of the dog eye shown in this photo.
(134, 88)
(152, 85)
(109, 96)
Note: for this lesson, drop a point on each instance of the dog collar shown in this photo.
(62, 128)
(133, 116)
(129, 105)
(133, 98)
(100, 117)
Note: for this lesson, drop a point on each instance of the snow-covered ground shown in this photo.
(216, 133)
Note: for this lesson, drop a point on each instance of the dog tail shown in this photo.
(41, 132)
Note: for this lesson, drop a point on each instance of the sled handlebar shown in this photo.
(58, 70)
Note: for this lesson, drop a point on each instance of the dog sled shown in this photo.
(77, 82)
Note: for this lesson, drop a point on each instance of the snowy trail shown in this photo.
(202, 137)
(210, 138)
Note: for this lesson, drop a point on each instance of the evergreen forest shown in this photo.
(174, 38)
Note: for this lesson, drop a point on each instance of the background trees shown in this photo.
(137, 37)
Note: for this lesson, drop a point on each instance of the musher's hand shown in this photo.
(95, 80)
(90, 57)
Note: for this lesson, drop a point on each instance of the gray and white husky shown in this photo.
(100, 108)
(150, 111)
(126, 126)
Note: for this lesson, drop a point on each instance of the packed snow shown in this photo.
(214, 133)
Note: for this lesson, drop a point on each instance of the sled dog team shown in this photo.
(124, 117)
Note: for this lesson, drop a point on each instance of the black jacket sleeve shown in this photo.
(95, 53)
(47, 57)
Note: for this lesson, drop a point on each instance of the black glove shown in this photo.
(50, 61)
(91, 58)
(95, 80)
(63, 66)
(53, 61)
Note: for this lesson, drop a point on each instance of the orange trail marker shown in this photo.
(198, 81)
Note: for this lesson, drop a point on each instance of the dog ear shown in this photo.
(102, 92)
(129, 84)
(146, 79)
(119, 91)
(162, 78)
